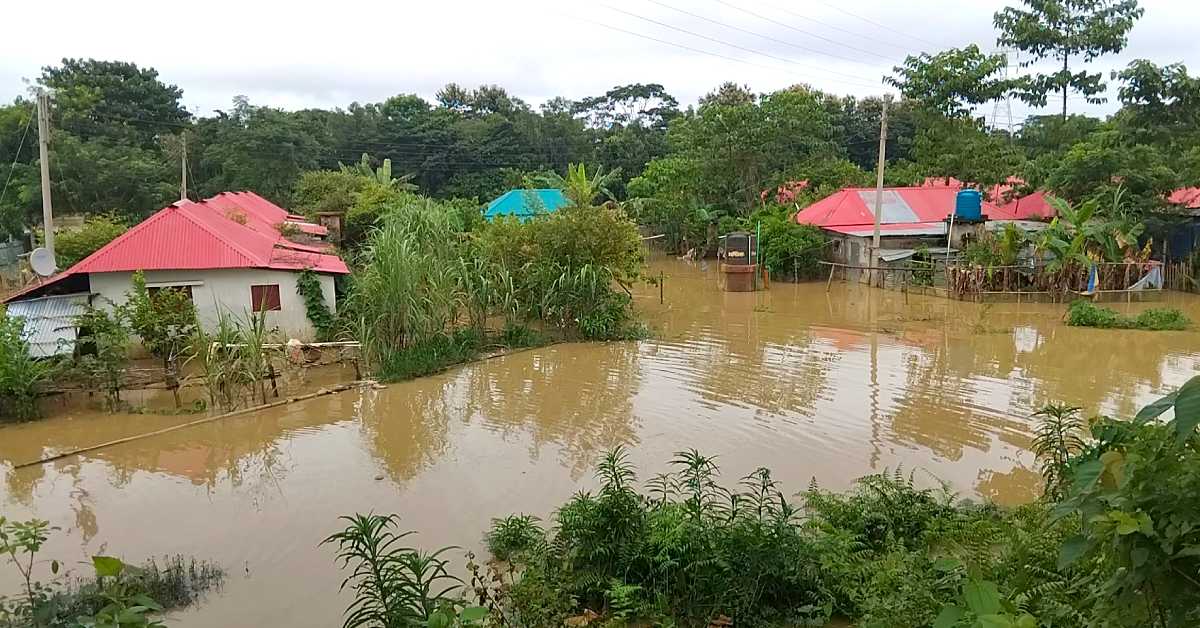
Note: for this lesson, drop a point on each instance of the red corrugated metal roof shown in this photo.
(853, 207)
(230, 230)
(1188, 198)
(1030, 207)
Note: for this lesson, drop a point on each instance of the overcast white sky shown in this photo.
(299, 53)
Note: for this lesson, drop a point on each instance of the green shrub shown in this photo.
(1119, 547)
(514, 536)
(21, 375)
(789, 250)
(1083, 313)
(71, 246)
(164, 322)
(1162, 319)
(327, 190)
(116, 595)
(519, 336)
(571, 269)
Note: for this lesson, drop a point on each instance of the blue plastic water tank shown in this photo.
(968, 205)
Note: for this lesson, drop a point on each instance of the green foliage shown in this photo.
(71, 246)
(379, 176)
(309, 289)
(103, 352)
(406, 291)
(725, 153)
(1083, 313)
(394, 586)
(1060, 30)
(430, 355)
(21, 375)
(164, 322)
(118, 594)
(105, 175)
(789, 250)
(1058, 439)
(1115, 543)
(96, 99)
(251, 147)
(1108, 160)
(571, 268)
(951, 82)
(579, 188)
(232, 359)
(1135, 488)
(20, 542)
(514, 536)
(326, 191)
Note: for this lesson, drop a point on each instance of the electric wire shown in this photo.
(16, 157)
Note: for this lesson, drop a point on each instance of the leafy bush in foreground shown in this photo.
(1115, 542)
(1084, 313)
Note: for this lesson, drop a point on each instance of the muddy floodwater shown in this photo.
(813, 384)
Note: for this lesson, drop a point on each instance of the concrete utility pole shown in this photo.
(43, 109)
(879, 173)
(183, 169)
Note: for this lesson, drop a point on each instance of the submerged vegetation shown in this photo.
(1115, 541)
(1084, 313)
(117, 594)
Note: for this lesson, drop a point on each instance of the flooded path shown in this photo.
(812, 384)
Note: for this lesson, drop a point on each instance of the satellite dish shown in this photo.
(42, 261)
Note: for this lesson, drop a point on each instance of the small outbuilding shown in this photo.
(525, 204)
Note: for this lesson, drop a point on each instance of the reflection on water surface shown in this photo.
(831, 385)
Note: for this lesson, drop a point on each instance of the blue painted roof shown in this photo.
(524, 204)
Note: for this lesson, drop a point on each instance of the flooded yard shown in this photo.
(814, 384)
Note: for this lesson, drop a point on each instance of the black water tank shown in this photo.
(740, 249)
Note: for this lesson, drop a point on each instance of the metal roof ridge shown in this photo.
(141, 226)
(226, 241)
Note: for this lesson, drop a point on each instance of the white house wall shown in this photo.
(227, 289)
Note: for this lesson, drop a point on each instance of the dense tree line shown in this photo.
(119, 130)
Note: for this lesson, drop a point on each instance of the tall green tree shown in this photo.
(1062, 30)
(255, 148)
(951, 82)
(1160, 105)
(741, 147)
(637, 103)
(952, 142)
(114, 100)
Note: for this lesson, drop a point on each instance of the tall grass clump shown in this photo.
(429, 295)
(233, 361)
(1083, 313)
(407, 291)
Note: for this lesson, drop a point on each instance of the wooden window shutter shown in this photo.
(265, 298)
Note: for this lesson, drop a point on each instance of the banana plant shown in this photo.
(381, 175)
(582, 190)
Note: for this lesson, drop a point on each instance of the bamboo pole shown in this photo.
(166, 430)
